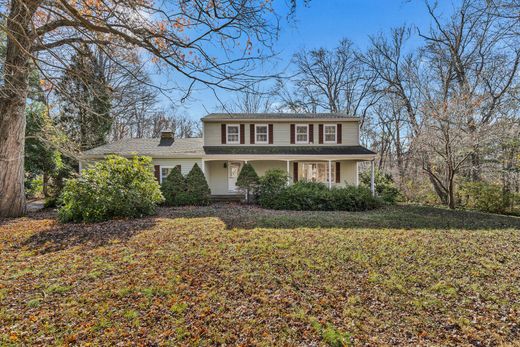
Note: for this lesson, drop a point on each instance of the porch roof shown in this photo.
(287, 150)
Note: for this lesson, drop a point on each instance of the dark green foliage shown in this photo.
(270, 185)
(385, 186)
(115, 187)
(85, 100)
(247, 180)
(174, 188)
(313, 196)
(197, 189)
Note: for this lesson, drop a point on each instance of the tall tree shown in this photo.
(179, 35)
(85, 100)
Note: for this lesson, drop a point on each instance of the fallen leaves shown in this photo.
(228, 274)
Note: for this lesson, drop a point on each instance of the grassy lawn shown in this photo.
(243, 275)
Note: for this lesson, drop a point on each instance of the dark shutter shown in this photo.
(292, 134)
(271, 134)
(223, 133)
(295, 172)
(320, 134)
(311, 133)
(157, 172)
(242, 134)
(338, 172)
(338, 135)
(252, 134)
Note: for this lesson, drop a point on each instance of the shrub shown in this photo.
(484, 197)
(115, 187)
(270, 185)
(384, 184)
(313, 196)
(247, 180)
(197, 189)
(174, 188)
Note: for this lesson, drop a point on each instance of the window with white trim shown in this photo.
(233, 133)
(330, 135)
(302, 133)
(261, 133)
(165, 171)
(317, 172)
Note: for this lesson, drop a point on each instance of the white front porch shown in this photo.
(222, 173)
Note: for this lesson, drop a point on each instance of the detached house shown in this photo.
(321, 147)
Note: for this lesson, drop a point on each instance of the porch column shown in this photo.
(330, 174)
(288, 171)
(372, 174)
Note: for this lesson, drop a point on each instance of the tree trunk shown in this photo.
(13, 95)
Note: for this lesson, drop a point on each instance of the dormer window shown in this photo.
(233, 133)
(261, 133)
(330, 133)
(302, 133)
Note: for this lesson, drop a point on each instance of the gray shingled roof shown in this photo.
(289, 150)
(150, 147)
(276, 116)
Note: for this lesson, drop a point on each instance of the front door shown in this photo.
(233, 171)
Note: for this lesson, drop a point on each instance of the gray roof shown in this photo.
(289, 150)
(277, 116)
(157, 148)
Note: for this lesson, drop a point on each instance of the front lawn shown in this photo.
(243, 275)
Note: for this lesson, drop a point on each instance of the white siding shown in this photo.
(185, 163)
(282, 133)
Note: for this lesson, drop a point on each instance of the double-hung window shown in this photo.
(233, 133)
(330, 133)
(165, 171)
(302, 133)
(317, 172)
(261, 133)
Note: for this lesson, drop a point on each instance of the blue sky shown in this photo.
(322, 24)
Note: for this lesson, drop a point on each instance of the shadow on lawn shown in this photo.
(63, 236)
(395, 217)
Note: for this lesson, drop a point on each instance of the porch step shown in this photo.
(224, 198)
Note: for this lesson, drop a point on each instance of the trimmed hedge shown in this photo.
(115, 187)
(312, 196)
(190, 190)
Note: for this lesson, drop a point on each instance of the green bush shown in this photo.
(115, 187)
(314, 196)
(384, 184)
(197, 189)
(174, 188)
(247, 180)
(484, 197)
(270, 185)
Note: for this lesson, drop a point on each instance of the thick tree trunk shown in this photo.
(13, 95)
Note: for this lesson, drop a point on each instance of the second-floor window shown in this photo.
(233, 133)
(261, 133)
(330, 133)
(302, 133)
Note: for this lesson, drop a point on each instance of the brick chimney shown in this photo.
(167, 138)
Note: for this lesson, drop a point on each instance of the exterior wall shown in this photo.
(217, 176)
(282, 134)
(185, 163)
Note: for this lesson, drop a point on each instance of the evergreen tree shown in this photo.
(197, 190)
(85, 101)
(174, 188)
(247, 180)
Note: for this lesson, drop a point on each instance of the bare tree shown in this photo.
(177, 35)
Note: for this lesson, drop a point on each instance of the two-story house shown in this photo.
(321, 147)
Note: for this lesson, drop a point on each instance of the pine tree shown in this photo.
(198, 191)
(84, 96)
(247, 180)
(174, 188)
